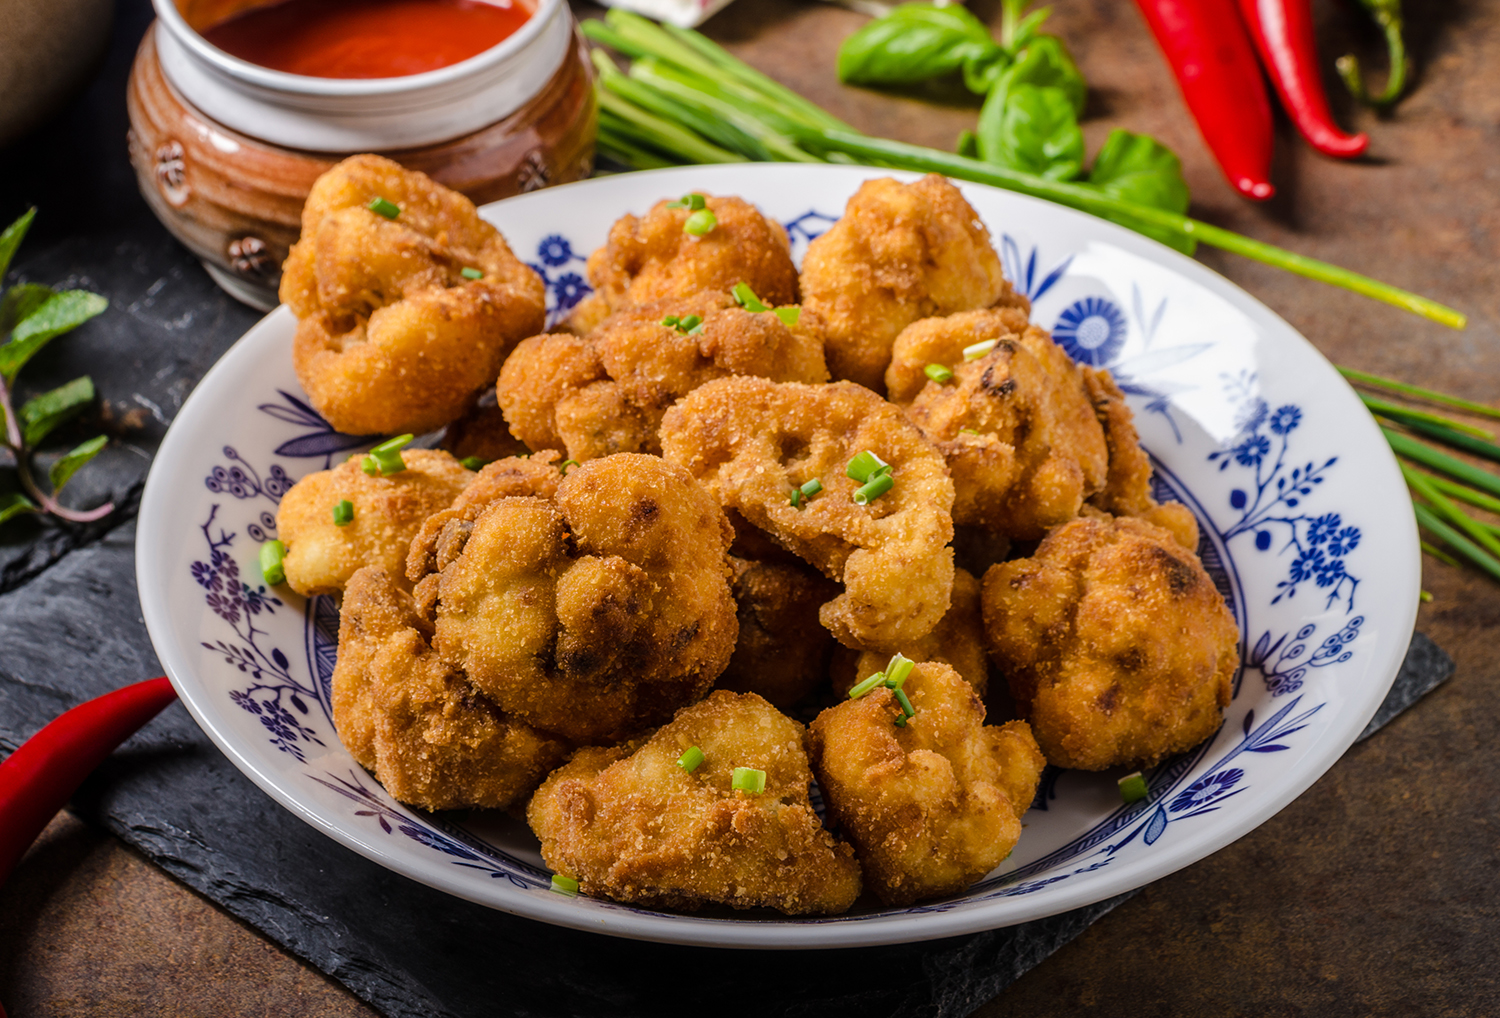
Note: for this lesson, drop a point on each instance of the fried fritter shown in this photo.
(783, 649)
(482, 433)
(631, 824)
(958, 642)
(1117, 647)
(901, 252)
(933, 806)
(390, 335)
(1127, 492)
(752, 442)
(652, 257)
(388, 511)
(607, 393)
(591, 615)
(418, 724)
(1016, 425)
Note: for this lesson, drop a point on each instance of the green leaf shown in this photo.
(913, 43)
(1137, 168)
(14, 504)
(1046, 63)
(968, 144)
(1036, 131)
(11, 238)
(41, 414)
(59, 314)
(1026, 30)
(982, 71)
(20, 301)
(64, 469)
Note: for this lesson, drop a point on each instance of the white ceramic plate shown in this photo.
(1308, 532)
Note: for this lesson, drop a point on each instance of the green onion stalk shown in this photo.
(686, 100)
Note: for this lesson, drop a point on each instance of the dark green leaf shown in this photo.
(59, 314)
(11, 238)
(1034, 132)
(968, 144)
(1026, 29)
(1045, 62)
(41, 414)
(19, 302)
(1139, 169)
(64, 469)
(913, 43)
(14, 504)
(982, 71)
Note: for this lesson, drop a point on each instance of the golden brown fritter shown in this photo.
(1016, 425)
(418, 724)
(752, 441)
(958, 642)
(900, 253)
(607, 393)
(933, 806)
(652, 257)
(591, 615)
(1127, 492)
(482, 433)
(1116, 645)
(388, 511)
(630, 824)
(390, 335)
(783, 649)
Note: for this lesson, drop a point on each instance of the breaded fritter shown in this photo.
(958, 642)
(1016, 425)
(607, 393)
(783, 649)
(390, 335)
(752, 442)
(933, 806)
(630, 824)
(652, 257)
(1117, 647)
(591, 615)
(1127, 491)
(388, 511)
(901, 252)
(417, 723)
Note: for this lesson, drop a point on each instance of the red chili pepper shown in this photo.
(38, 779)
(1206, 44)
(1283, 33)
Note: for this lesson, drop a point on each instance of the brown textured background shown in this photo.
(1376, 892)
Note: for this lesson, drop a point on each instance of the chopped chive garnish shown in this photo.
(690, 760)
(811, 488)
(369, 466)
(899, 668)
(873, 489)
(387, 455)
(864, 686)
(788, 315)
(381, 207)
(905, 702)
(796, 498)
(690, 324)
(746, 298)
(968, 431)
(692, 202)
(564, 885)
(343, 513)
(473, 463)
(565, 464)
(901, 721)
(1133, 788)
(1425, 596)
(748, 779)
(670, 321)
(865, 466)
(700, 223)
(938, 373)
(978, 350)
(271, 554)
(472, 274)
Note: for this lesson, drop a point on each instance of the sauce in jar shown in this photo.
(366, 38)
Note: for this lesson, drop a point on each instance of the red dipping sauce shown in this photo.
(366, 38)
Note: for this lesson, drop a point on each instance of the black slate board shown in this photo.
(75, 632)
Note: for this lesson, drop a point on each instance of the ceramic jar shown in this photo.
(225, 151)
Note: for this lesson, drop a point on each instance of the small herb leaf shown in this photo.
(41, 414)
(14, 504)
(61, 313)
(1140, 169)
(63, 470)
(11, 238)
(20, 301)
(1035, 131)
(915, 42)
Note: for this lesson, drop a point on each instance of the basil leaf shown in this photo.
(1045, 62)
(968, 144)
(913, 43)
(11, 238)
(1140, 169)
(1027, 29)
(63, 470)
(41, 414)
(20, 301)
(982, 72)
(1035, 131)
(60, 313)
(14, 504)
